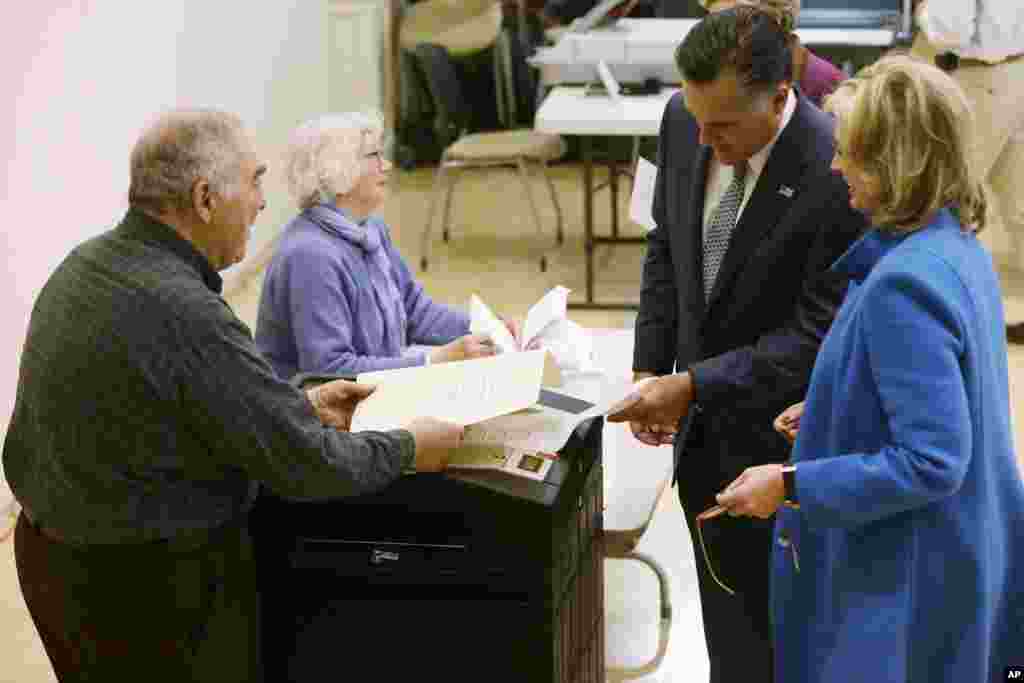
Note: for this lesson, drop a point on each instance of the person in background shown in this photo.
(898, 553)
(337, 297)
(145, 419)
(735, 299)
(817, 77)
(980, 43)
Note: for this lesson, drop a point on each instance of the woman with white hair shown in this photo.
(337, 297)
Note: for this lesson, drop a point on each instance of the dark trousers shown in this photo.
(147, 612)
(737, 628)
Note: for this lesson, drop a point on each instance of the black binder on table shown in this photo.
(462, 576)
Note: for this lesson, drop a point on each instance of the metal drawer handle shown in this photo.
(381, 556)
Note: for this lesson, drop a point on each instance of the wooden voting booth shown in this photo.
(462, 576)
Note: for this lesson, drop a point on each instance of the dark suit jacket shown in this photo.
(750, 349)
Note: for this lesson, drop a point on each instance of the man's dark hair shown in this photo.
(742, 38)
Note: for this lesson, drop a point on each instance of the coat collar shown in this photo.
(140, 225)
(865, 253)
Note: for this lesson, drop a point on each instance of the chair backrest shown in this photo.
(451, 113)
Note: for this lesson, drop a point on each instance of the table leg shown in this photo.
(588, 212)
(613, 186)
(590, 240)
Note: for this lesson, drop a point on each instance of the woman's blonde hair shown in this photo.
(324, 157)
(909, 125)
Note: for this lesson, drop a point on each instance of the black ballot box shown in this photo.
(460, 576)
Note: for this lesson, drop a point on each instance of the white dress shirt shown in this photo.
(719, 178)
(986, 30)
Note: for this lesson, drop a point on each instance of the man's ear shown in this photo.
(780, 96)
(203, 200)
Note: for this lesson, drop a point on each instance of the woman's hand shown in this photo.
(757, 492)
(435, 440)
(464, 348)
(788, 421)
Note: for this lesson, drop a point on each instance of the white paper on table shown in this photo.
(463, 392)
(551, 307)
(546, 326)
(483, 321)
(540, 429)
(641, 204)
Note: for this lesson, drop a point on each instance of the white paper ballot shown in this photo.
(546, 326)
(483, 321)
(551, 307)
(463, 392)
(642, 202)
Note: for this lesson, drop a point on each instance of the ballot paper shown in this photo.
(641, 203)
(463, 392)
(551, 308)
(546, 326)
(507, 408)
(546, 427)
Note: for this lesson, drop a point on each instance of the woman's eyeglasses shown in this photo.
(713, 512)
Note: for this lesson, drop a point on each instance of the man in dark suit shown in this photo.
(736, 298)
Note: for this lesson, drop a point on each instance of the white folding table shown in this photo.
(568, 111)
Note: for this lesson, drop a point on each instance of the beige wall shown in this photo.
(81, 78)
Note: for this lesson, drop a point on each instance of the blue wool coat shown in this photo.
(910, 532)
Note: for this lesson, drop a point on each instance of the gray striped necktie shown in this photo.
(723, 221)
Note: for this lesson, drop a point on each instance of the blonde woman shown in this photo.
(898, 553)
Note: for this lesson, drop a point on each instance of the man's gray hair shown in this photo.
(181, 147)
(325, 155)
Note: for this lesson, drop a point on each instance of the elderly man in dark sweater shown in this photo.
(145, 419)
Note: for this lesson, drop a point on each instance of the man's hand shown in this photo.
(788, 421)
(435, 441)
(335, 402)
(464, 348)
(645, 437)
(757, 492)
(655, 406)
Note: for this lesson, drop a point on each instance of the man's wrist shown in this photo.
(408, 451)
(316, 400)
(684, 383)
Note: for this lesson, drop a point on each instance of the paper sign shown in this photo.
(642, 202)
